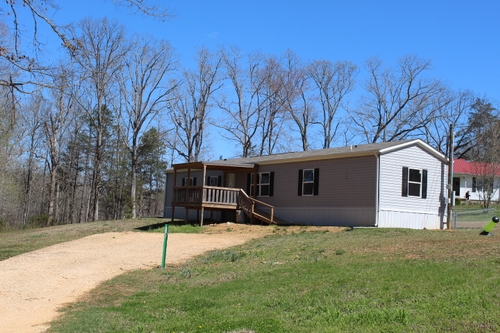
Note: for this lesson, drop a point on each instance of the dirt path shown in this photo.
(34, 285)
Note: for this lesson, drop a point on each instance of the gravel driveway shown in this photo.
(34, 285)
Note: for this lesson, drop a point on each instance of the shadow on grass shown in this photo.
(176, 226)
(161, 225)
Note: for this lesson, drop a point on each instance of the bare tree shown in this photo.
(272, 109)
(398, 103)
(484, 134)
(244, 112)
(453, 111)
(25, 18)
(487, 179)
(190, 105)
(11, 189)
(144, 90)
(57, 118)
(8, 73)
(334, 82)
(32, 122)
(298, 101)
(99, 50)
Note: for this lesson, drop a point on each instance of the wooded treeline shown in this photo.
(91, 137)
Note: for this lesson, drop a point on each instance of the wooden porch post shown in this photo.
(173, 195)
(254, 191)
(188, 183)
(204, 181)
(202, 211)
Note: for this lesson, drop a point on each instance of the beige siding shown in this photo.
(349, 182)
(347, 191)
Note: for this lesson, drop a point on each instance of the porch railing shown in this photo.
(197, 195)
(220, 195)
(223, 197)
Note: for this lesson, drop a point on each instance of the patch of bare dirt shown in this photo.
(34, 285)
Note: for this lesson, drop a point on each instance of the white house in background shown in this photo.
(391, 184)
(471, 177)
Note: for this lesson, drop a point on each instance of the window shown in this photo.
(214, 181)
(264, 184)
(308, 182)
(414, 183)
(483, 184)
(189, 181)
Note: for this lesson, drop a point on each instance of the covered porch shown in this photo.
(216, 197)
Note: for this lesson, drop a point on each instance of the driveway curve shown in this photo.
(34, 285)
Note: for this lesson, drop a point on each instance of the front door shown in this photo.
(231, 180)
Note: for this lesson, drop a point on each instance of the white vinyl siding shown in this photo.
(411, 211)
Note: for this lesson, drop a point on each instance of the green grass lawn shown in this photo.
(365, 280)
(472, 207)
(472, 216)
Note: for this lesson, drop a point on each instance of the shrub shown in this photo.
(38, 221)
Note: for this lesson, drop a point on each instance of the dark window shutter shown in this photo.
(207, 181)
(424, 184)
(271, 184)
(316, 181)
(404, 191)
(300, 182)
(183, 181)
(219, 180)
(194, 181)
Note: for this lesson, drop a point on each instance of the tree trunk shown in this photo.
(133, 182)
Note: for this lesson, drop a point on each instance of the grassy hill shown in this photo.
(364, 280)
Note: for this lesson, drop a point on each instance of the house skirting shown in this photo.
(194, 215)
(410, 220)
(328, 216)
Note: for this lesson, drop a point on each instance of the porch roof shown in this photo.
(222, 165)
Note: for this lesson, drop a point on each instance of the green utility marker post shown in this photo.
(490, 226)
(165, 241)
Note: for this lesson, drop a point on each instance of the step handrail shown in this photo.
(248, 204)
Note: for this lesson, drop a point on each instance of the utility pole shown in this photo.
(450, 178)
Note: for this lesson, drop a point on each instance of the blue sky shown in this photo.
(461, 37)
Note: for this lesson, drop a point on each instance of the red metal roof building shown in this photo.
(463, 167)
